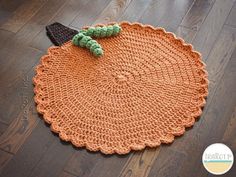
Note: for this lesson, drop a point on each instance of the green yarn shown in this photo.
(98, 52)
(103, 31)
(90, 31)
(109, 30)
(97, 31)
(77, 38)
(84, 37)
(89, 43)
(84, 40)
(100, 32)
(94, 46)
(116, 29)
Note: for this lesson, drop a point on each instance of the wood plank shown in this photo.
(10, 6)
(113, 11)
(166, 13)
(109, 165)
(19, 60)
(140, 163)
(85, 163)
(167, 164)
(31, 152)
(37, 23)
(3, 128)
(7, 9)
(66, 174)
(69, 11)
(5, 35)
(89, 14)
(82, 162)
(220, 55)
(230, 133)
(185, 33)
(134, 11)
(22, 14)
(5, 157)
(232, 16)
(211, 27)
(4, 16)
(229, 140)
(53, 160)
(18, 131)
(16, 88)
(65, 16)
(197, 14)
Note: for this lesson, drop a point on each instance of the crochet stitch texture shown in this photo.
(148, 87)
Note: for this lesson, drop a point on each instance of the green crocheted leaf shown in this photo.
(97, 31)
(109, 30)
(84, 40)
(84, 37)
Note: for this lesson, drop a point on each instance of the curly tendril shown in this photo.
(84, 37)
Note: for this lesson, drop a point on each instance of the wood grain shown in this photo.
(167, 165)
(232, 16)
(197, 14)
(3, 128)
(113, 11)
(66, 174)
(51, 165)
(82, 163)
(22, 14)
(32, 151)
(37, 22)
(5, 157)
(220, 55)
(140, 163)
(7, 8)
(109, 165)
(230, 132)
(18, 131)
(185, 33)
(166, 13)
(5, 35)
(65, 16)
(17, 87)
(229, 140)
(134, 11)
(89, 13)
(212, 26)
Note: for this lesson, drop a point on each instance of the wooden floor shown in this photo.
(27, 146)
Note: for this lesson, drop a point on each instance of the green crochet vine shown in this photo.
(84, 37)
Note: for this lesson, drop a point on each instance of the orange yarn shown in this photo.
(146, 88)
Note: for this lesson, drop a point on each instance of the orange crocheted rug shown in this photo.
(145, 90)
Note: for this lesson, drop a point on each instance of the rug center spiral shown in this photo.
(121, 78)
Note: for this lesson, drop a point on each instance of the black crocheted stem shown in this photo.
(59, 34)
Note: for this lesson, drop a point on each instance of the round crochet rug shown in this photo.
(146, 88)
